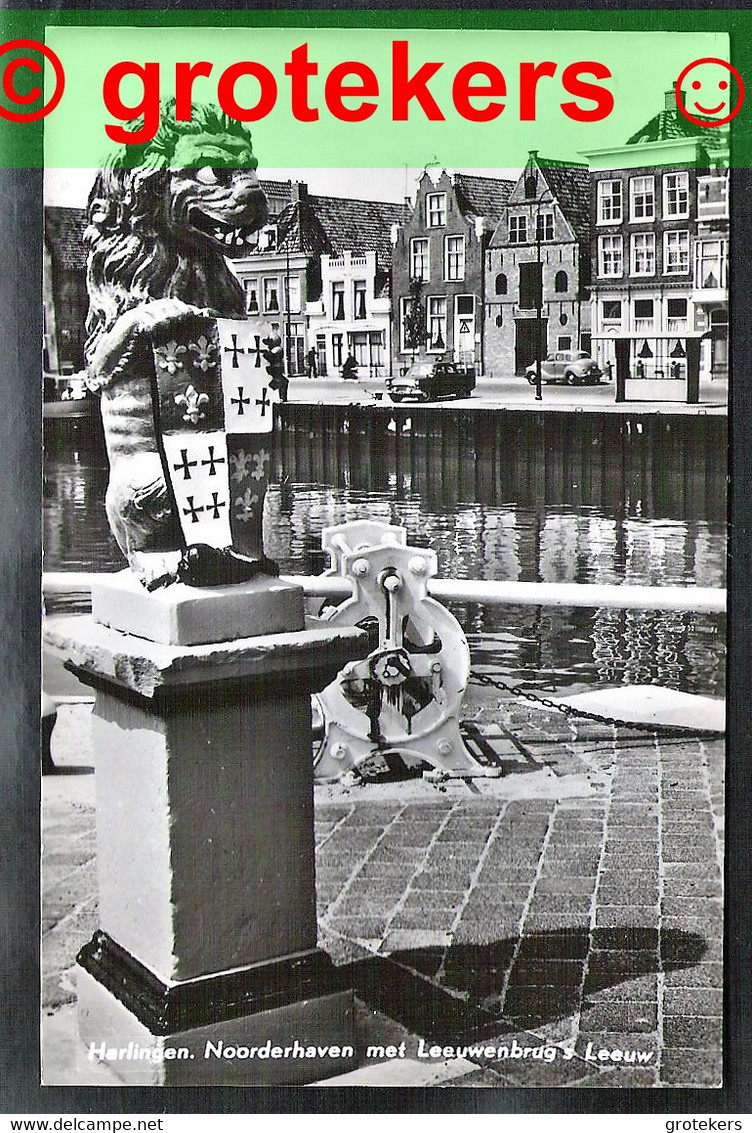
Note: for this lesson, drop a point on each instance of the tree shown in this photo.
(414, 325)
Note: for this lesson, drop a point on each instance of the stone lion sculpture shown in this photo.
(163, 219)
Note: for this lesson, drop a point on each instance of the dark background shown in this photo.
(20, 557)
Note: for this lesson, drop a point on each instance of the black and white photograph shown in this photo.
(384, 587)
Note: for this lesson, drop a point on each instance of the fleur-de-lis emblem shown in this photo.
(245, 505)
(193, 401)
(204, 350)
(169, 357)
(240, 462)
(261, 459)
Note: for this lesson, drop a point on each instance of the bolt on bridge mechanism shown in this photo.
(404, 698)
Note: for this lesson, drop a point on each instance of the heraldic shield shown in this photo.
(214, 416)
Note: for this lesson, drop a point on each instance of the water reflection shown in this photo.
(526, 497)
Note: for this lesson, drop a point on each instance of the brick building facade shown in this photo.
(538, 268)
(442, 246)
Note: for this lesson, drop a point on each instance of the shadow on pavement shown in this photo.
(462, 993)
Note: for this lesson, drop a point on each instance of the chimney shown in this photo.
(299, 192)
(669, 99)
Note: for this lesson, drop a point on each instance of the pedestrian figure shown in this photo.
(608, 371)
(350, 368)
(311, 363)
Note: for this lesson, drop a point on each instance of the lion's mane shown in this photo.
(134, 253)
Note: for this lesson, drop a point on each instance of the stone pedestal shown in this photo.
(204, 786)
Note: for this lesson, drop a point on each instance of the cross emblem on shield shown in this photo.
(218, 460)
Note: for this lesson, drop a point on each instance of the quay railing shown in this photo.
(695, 599)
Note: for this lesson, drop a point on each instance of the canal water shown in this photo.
(574, 497)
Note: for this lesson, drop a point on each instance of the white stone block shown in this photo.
(193, 615)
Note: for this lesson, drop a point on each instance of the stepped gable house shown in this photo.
(538, 268)
(442, 246)
(660, 247)
(320, 271)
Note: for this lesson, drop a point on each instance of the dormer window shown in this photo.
(267, 239)
(436, 210)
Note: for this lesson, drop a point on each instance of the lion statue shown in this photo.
(163, 219)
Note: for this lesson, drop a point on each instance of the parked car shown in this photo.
(570, 367)
(427, 380)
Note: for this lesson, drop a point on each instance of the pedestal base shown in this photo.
(275, 1042)
(206, 859)
(192, 615)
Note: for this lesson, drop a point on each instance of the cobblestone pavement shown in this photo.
(572, 907)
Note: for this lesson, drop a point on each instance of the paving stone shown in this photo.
(687, 849)
(623, 1077)
(642, 988)
(565, 944)
(693, 1031)
(500, 890)
(691, 1067)
(528, 971)
(708, 912)
(700, 975)
(399, 939)
(692, 887)
(544, 903)
(363, 927)
(620, 916)
(629, 859)
(629, 1015)
(514, 876)
(692, 1001)
(562, 886)
(549, 922)
(418, 837)
(632, 814)
(628, 938)
(573, 865)
(427, 899)
(481, 932)
(627, 892)
(433, 919)
(365, 905)
(610, 969)
(684, 944)
(380, 868)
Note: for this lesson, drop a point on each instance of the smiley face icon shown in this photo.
(704, 92)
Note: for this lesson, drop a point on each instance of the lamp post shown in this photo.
(287, 310)
(539, 297)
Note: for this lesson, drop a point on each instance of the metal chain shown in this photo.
(568, 710)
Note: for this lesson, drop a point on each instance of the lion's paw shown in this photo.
(154, 569)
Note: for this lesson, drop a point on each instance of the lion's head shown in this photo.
(164, 215)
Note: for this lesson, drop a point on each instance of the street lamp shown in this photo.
(539, 296)
(287, 309)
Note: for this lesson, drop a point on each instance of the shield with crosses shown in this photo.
(214, 417)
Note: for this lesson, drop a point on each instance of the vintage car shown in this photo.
(427, 380)
(570, 367)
